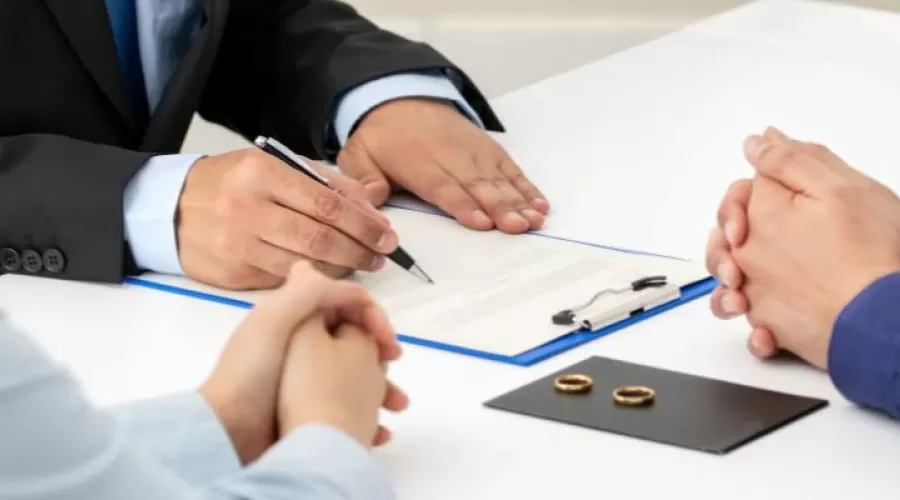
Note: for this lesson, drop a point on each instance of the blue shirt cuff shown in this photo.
(183, 433)
(359, 101)
(151, 200)
(864, 355)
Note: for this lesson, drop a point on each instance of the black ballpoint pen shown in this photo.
(280, 151)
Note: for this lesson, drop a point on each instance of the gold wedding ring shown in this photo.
(575, 383)
(634, 395)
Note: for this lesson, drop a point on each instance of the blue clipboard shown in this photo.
(528, 358)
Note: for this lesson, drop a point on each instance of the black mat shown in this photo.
(689, 411)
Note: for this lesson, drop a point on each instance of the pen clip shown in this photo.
(262, 142)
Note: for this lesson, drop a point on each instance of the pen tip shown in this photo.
(422, 274)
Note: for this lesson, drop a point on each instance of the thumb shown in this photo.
(780, 159)
(356, 162)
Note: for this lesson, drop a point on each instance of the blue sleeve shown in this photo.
(864, 355)
(150, 204)
(54, 445)
(332, 466)
(183, 433)
(359, 101)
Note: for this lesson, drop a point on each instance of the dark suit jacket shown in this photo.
(70, 141)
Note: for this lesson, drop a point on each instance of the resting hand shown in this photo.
(433, 151)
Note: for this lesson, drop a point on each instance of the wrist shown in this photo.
(339, 420)
(250, 436)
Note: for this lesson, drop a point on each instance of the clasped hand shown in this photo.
(796, 243)
(315, 352)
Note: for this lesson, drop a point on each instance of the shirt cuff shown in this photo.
(151, 200)
(183, 433)
(315, 461)
(359, 101)
(864, 355)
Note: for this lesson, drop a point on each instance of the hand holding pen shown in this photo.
(280, 151)
(246, 216)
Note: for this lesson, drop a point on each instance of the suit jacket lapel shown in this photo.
(183, 92)
(86, 25)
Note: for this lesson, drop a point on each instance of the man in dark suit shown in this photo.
(96, 98)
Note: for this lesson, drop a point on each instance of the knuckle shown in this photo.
(250, 172)
(226, 206)
(329, 205)
(819, 149)
(778, 157)
(319, 241)
(441, 188)
(380, 192)
(472, 184)
(372, 232)
(287, 228)
(251, 165)
(844, 192)
(516, 176)
(364, 259)
(224, 243)
(735, 187)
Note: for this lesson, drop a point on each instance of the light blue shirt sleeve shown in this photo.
(359, 101)
(54, 445)
(151, 198)
(163, 426)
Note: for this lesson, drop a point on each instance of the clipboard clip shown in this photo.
(567, 317)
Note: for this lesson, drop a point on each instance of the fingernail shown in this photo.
(777, 134)
(754, 146)
(387, 243)
(376, 263)
(728, 304)
(481, 218)
(756, 344)
(532, 214)
(541, 203)
(731, 233)
(721, 269)
(515, 218)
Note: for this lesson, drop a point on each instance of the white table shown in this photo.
(669, 117)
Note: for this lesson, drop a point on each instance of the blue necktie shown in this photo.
(123, 20)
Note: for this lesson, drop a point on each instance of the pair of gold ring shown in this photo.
(632, 395)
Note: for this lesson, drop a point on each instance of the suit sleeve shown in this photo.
(284, 65)
(864, 354)
(61, 207)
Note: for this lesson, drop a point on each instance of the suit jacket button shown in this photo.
(10, 260)
(54, 261)
(31, 261)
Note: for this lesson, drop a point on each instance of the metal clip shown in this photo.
(567, 316)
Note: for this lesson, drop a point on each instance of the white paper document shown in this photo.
(495, 292)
